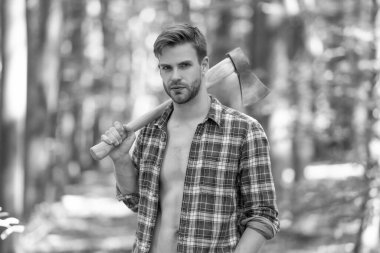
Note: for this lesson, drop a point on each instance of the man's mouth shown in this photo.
(175, 88)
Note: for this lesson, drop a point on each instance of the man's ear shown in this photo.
(205, 65)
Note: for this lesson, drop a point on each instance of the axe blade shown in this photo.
(252, 90)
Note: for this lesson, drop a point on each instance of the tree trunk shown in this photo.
(368, 238)
(270, 62)
(13, 109)
(186, 9)
(301, 81)
(226, 91)
(76, 12)
(42, 103)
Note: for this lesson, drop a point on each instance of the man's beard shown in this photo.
(185, 94)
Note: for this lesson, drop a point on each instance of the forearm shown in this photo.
(250, 242)
(126, 175)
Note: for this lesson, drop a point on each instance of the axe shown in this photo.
(236, 64)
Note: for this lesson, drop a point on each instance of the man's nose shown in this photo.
(176, 74)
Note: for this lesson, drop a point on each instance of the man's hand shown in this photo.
(121, 137)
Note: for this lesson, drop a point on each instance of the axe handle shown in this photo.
(102, 149)
(214, 75)
(219, 71)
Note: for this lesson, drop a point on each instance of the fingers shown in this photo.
(111, 138)
(114, 135)
(131, 136)
(119, 127)
(128, 130)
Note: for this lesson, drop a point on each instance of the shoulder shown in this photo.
(246, 128)
(235, 118)
(149, 131)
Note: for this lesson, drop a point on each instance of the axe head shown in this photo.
(252, 90)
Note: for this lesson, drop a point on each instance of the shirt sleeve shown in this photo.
(132, 200)
(258, 197)
(262, 226)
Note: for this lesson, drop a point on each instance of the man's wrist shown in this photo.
(122, 162)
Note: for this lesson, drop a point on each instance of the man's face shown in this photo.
(181, 72)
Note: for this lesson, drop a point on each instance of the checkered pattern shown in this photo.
(228, 180)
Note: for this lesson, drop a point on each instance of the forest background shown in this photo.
(69, 68)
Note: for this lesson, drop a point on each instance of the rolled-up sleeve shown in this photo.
(257, 190)
(130, 200)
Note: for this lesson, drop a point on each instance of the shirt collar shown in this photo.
(214, 114)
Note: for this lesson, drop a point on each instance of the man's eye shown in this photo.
(165, 68)
(184, 65)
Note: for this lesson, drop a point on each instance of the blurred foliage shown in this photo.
(91, 63)
(322, 216)
(9, 225)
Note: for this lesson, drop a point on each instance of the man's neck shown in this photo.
(195, 109)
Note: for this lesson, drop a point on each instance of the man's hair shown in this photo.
(180, 34)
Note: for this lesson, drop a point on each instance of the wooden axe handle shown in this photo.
(102, 149)
(214, 75)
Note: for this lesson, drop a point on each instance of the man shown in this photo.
(199, 176)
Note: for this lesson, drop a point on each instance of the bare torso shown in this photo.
(172, 178)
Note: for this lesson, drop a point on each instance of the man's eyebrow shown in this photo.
(186, 61)
(179, 63)
(163, 65)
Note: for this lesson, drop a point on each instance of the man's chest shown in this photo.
(175, 159)
(204, 155)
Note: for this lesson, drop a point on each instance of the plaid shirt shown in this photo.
(228, 181)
